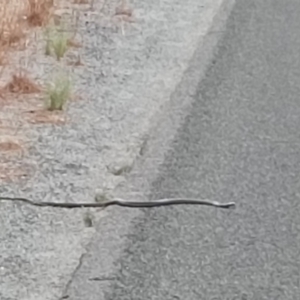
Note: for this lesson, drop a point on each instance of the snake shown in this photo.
(125, 203)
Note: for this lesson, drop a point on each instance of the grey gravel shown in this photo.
(127, 80)
(117, 225)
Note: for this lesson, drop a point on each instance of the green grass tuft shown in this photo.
(58, 92)
(56, 41)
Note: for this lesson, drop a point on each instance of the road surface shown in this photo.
(240, 142)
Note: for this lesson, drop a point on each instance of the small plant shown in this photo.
(101, 197)
(60, 45)
(103, 194)
(58, 93)
(57, 42)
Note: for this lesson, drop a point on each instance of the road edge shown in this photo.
(93, 276)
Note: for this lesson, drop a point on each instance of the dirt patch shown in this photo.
(19, 23)
(45, 117)
(10, 145)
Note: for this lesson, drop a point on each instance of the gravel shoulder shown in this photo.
(131, 72)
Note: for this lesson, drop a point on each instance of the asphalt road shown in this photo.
(241, 142)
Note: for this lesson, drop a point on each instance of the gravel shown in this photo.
(130, 71)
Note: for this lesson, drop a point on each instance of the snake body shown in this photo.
(125, 203)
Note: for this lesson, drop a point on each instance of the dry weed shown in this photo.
(11, 26)
(15, 15)
(21, 84)
(39, 12)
